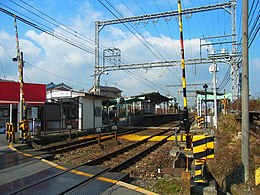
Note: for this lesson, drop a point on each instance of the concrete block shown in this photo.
(211, 190)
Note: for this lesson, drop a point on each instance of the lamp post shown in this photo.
(213, 69)
(97, 81)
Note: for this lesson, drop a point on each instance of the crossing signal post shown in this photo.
(23, 125)
(201, 146)
(185, 123)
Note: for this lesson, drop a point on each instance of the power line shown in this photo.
(56, 74)
(156, 29)
(225, 80)
(4, 76)
(43, 70)
(11, 60)
(252, 12)
(138, 32)
(133, 34)
(137, 73)
(139, 76)
(72, 31)
(145, 81)
(44, 29)
(254, 36)
(132, 31)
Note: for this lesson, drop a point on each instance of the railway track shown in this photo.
(122, 158)
(94, 154)
(82, 142)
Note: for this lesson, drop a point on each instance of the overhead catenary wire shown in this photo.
(225, 80)
(254, 25)
(11, 59)
(142, 41)
(167, 23)
(254, 36)
(157, 33)
(252, 13)
(156, 30)
(56, 75)
(57, 23)
(253, 31)
(148, 83)
(137, 73)
(4, 75)
(139, 76)
(128, 27)
(30, 64)
(46, 29)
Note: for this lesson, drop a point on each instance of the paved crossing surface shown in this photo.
(32, 173)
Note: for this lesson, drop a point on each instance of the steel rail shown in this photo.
(108, 156)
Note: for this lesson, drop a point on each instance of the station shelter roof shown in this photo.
(154, 97)
(211, 97)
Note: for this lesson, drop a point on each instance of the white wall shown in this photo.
(88, 104)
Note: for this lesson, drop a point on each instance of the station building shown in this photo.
(73, 109)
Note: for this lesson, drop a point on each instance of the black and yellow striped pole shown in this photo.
(19, 58)
(186, 124)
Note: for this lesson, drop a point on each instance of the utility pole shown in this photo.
(206, 112)
(245, 93)
(213, 69)
(215, 96)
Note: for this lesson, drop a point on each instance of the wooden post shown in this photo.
(186, 187)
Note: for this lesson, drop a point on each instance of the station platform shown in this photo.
(30, 172)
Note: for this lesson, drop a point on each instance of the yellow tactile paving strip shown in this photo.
(134, 137)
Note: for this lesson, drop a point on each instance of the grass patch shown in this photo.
(167, 187)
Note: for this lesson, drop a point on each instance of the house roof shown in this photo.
(4, 80)
(60, 86)
(107, 88)
(97, 96)
(66, 94)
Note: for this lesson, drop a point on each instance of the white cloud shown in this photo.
(255, 63)
(124, 10)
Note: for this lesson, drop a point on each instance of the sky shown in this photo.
(48, 59)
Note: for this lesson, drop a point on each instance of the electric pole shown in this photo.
(206, 112)
(245, 93)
